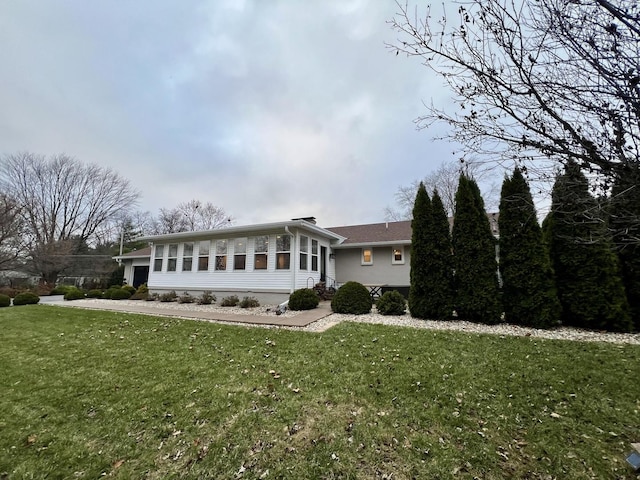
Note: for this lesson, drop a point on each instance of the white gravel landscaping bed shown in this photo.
(406, 320)
(263, 310)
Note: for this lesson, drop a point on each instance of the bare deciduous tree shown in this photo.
(64, 203)
(536, 81)
(445, 180)
(191, 216)
(10, 231)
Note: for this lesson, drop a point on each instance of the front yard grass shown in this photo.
(87, 394)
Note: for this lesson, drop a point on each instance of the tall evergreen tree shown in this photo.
(624, 221)
(474, 248)
(420, 227)
(528, 290)
(439, 280)
(588, 280)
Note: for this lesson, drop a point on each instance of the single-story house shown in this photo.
(271, 260)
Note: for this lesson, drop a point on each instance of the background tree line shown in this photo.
(56, 211)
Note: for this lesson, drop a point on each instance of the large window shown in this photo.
(314, 255)
(172, 260)
(261, 252)
(187, 257)
(367, 256)
(157, 259)
(283, 252)
(304, 252)
(240, 254)
(203, 255)
(221, 254)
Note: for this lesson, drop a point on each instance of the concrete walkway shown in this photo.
(302, 319)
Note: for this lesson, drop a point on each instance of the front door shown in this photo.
(323, 264)
(140, 275)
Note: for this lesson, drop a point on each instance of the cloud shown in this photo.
(272, 110)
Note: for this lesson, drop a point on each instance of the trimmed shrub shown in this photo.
(186, 297)
(169, 296)
(142, 293)
(207, 298)
(61, 289)
(249, 302)
(5, 300)
(391, 303)
(230, 301)
(26, 298)
(304, 299)
(120, 294)
(352, 297)
(95, 293)
(129, 289)
(109, 292)
(74, 294)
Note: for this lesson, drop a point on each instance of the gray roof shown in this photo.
(375, 233)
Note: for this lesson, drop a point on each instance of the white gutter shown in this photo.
(292, 261)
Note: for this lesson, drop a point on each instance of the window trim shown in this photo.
(187, 257)
(236, 255)
(260, 254)
(314, 255)
(282, 253)
(304, 253)
(221, 256)
(393, 255)
(158, 249)
(202, 257)
(362, 256)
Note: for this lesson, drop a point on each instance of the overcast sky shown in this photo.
(269, 109)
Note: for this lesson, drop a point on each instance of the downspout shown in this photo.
(292, 262)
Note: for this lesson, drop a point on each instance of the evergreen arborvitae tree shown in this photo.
(439, 263)
(528, 290)
(474, 253)
(624, 222)
(420, 233)
(588, 281)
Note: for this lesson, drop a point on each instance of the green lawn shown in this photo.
(86, 394)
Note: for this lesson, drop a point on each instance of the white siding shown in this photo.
(248, 280)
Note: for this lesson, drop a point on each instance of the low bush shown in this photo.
(94, 293)
(186, 297)
(5, 300)
(230, 301)
(108, 293)
(207, 298)
(152, 297)
(74, 294)
(352, 297)
(26, 298)
(249, 302)
(391, 303)
(304, 299)
(143, 288)
(120, 294)
(169, 296)
(61, 289)
(139, 296)
(129, 289)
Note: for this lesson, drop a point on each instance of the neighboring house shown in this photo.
(266, 260)
(272, 260)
